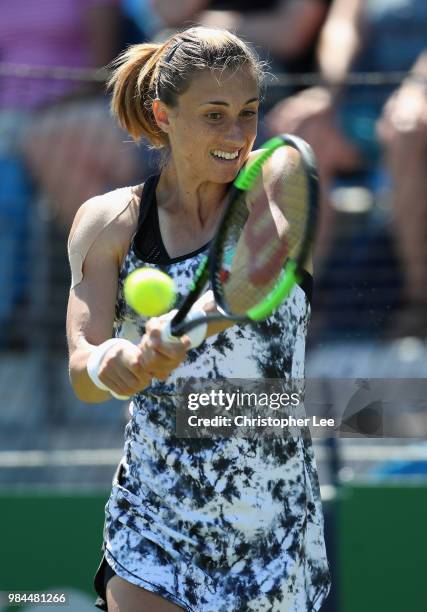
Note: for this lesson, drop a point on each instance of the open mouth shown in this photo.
(225, 155)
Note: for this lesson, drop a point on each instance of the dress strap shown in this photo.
(147, 242)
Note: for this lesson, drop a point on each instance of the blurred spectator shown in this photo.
(74, 152)
(403, 132)
(314, 113)
(78, 127)
(341, 123)
(142, 22)
(285, 31)
(70, 34)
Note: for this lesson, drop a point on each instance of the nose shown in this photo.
(236, 135)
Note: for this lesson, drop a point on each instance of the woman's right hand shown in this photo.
(161, 358)
(127, 369)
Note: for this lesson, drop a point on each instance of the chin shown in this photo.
(225, 177)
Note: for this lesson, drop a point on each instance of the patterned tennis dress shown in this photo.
(221, 524)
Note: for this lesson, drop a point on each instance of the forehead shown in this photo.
(233, 87)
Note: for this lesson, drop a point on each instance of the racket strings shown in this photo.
(259, 235)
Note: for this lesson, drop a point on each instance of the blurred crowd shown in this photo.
(58, 143)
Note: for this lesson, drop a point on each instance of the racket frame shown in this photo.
(290, 274)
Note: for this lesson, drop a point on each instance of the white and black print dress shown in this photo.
(224, 524)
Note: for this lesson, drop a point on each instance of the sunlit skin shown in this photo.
(217, 112)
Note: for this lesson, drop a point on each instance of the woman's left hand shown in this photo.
(160, 358)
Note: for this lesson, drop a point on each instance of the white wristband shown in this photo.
(94, 363)
(196, 335)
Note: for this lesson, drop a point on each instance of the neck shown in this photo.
(184, 195)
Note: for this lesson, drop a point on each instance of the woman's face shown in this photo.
(213, 127)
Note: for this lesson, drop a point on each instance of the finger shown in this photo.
(143, 378)
(162, 362)
(152, 324)
(117, 387)
(152, 360)
(161, 374)
(123, 383)
(186, 342)
(128, 383)
(147, 357)
(161, 366)
(162, 369)
(154, 341)
(174, 351)
(135, 363)
(152, 337)
(131, 371)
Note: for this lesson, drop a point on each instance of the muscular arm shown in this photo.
(91, 304)
(99, 240)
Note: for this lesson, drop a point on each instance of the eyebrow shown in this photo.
(222, 103)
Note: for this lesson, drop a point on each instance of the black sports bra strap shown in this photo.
(148, 197)
(145, 242)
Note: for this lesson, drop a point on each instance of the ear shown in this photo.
(161, 115)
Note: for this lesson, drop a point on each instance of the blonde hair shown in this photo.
(148, 71)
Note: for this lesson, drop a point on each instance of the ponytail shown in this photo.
(148, 71)
(134, 88)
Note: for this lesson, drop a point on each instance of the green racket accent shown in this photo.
(198, 273)
(247, 176)
(288, 279)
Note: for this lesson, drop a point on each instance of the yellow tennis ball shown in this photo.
(149, 292)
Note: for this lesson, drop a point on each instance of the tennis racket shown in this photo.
(262, 241)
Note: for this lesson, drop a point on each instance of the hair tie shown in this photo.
(171, 51)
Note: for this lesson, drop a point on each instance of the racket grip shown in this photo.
(196, 335)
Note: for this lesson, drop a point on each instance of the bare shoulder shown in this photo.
(109, 220)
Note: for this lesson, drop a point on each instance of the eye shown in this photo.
(249, 113)
(214, 116)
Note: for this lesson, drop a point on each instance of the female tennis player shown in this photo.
(203, 525)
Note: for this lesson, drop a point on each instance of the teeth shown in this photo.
(225, 155)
